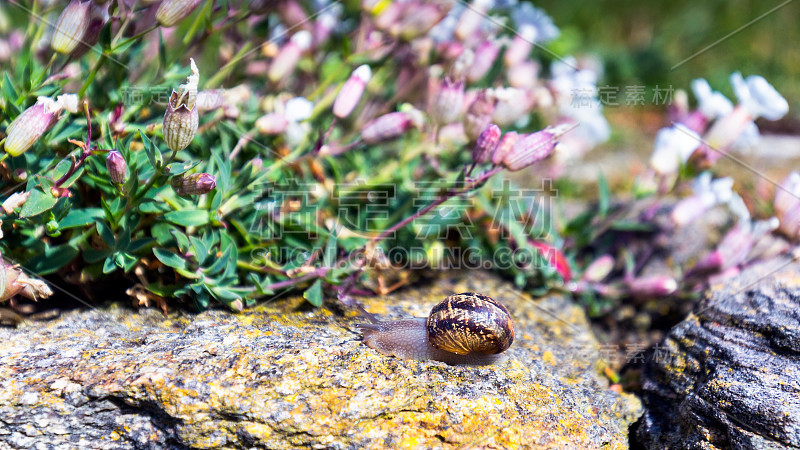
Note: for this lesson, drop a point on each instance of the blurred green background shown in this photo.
(640, 41)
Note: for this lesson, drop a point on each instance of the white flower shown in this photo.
(759, 97)
(295, 133)
(672, 147)
(592, 125)
(709, 193)
(763, 227)
(568, 81)
(711, 104)
(713, 192)
(749, 137)
(298, 109)
(302, 39)
(737, 207)
(512, 104)
(472, 17)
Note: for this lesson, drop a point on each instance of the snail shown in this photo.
(467, 328)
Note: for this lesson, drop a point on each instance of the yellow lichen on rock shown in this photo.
(282, 375)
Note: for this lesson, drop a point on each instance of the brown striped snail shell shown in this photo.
(466, 328)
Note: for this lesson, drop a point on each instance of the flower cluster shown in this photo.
(296, 160)
(715, 127)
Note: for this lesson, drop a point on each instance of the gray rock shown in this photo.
(729, 375)
(285, 375)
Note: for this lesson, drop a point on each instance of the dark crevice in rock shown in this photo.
(157, 417)
(729, 375)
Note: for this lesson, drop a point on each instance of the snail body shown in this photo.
(467, 328)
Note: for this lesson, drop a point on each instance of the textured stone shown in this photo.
(285, 375)
(729, 375)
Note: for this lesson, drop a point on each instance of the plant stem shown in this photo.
(323, 271)
(319, 273)
(454, 192)
(95, 69)
(132, 38)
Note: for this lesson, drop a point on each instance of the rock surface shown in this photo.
(284, 375)
(729, 375)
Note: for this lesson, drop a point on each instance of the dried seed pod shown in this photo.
(71, 26)
(170, 12)
(446, 106)
(479, 115)
(181, 117)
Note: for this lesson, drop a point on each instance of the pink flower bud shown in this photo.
(711, 264)
(505, 145)
(523, 75)
(555, 258)
(386, 127)
(19, 175)
(196, 184)
(485, 55)
(447, 104)
(599, 269)
(116, 166)
(735, 246)
(529, 150)
(520, 46)
(292, 14)
(787, 205)
(272, 124)
(478, 116)
(653, 286)
(696, 121)
(324, 26)
(471, 18)
(726, 130)
(97, 20)
(236, 305)
(420, 17)
(351, 92)
(724, 276)
(26, 129)
(289, 55)
(170, 12)
(486, 144)
(688, 210)
(181, 118)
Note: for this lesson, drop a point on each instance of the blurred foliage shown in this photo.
(641, 42)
